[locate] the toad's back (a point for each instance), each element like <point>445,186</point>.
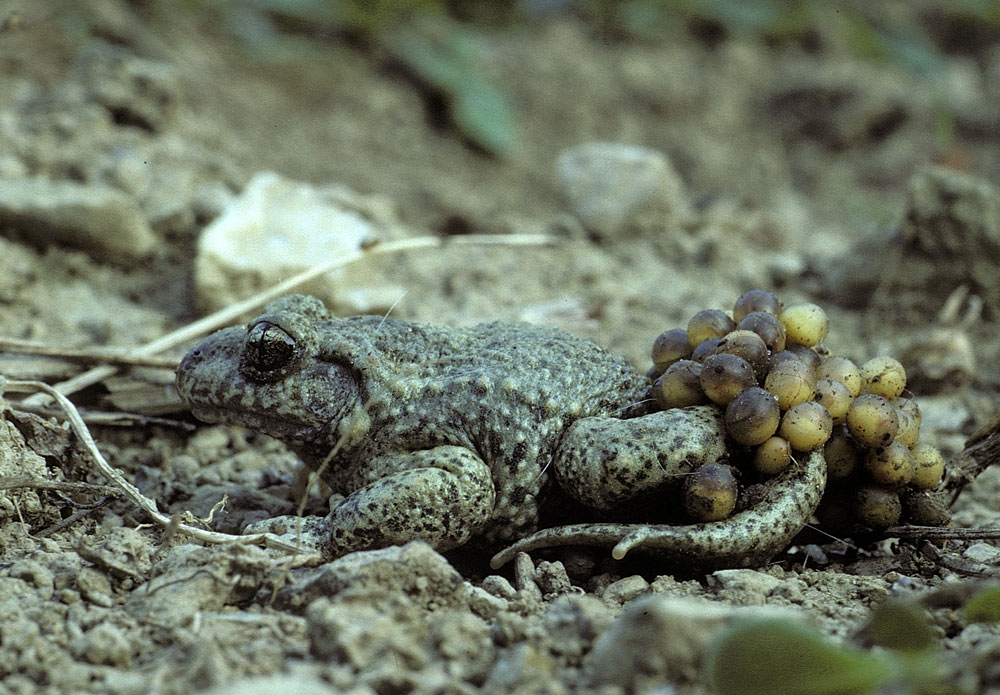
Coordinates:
<point>505,391</point>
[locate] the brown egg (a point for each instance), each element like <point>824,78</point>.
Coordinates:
<point>723,376</point>
<point>710,492</point>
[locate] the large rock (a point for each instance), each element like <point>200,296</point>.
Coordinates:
<point>100,220</point>
<point>609,185</point>
<point>278,227</point>
<point>949,237</point>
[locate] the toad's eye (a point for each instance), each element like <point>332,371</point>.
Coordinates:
<point>267,347</point>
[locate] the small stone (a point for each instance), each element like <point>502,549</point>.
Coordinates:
<point>36,574</point>
<point>104,644</point>
<point>17,458</point>
<point>94,586</point>
<point>983,552</point>
<point>499,586</point>
<point>278,227</point>
<point>414,569</point>
<point>743,585</point>
<point>608,184</point>
<point>99,220</point>
<point>624,590</point>
<point>280,684</point>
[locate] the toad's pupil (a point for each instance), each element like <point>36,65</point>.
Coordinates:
<point>268,347</point>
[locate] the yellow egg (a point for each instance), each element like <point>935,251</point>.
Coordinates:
<point>842,454</point>
<point>891,465</point>
<point>835,397</point>
<point>755,300</point>
<point>843,370</point>
<point>749,346</point>
<point>877,507</point>
<point>806,426</point>
<point>723,376</point>
<point>680,386</point>
<point>928,466</point>
<point>883,376</point>
<point>773,456</point>
<point>872,420</point>
<point>791,382</point>
<point>909,431</point>
<point>669,347</point>
<point>708,323</point>
<point>805,324</point>
<point>767,326</point>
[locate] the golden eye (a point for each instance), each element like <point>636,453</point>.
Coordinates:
<point>267,348</point>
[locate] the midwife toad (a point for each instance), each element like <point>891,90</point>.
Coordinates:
<point>445,434</point>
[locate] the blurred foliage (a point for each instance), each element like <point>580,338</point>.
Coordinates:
<point>441,42</point>
<point>900,625</point>
<point>443,55</point>
<point>984,606</point>
<point>785,657</point>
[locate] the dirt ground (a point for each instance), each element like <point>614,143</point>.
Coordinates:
<point>806,164</point>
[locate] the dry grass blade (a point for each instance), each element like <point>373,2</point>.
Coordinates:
<point>226,316</point>
<point>91,355</point>
<point>24,481</point>
<point>131,492</point>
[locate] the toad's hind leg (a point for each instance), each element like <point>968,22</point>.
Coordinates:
<point>603,461</point>
<point>747,539</point>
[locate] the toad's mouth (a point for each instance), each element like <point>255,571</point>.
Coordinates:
<point>296,434</point>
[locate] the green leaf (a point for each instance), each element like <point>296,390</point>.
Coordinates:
<point>483,113</point>
<point>783,657</point>
<point>446,56</point>
<point>901,625</point>
<point>984,606</point>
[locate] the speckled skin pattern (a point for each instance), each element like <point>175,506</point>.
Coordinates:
<point>443,433</point>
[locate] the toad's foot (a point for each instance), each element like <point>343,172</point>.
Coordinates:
<point>747,539</point>
<point>309,533</point>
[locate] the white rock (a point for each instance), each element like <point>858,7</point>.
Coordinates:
<point>609,184</point>
<point>983,552</point>
<point>278,227</point>
<point>280,684</point>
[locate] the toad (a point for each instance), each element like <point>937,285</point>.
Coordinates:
<point>448,434</point>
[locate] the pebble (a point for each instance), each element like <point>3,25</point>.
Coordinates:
<point>983,552</point>
<point>280,684</point>
<point>744,585</point>
<point>278,227</point>
<point>415,570</point>
<point>625,590</point>
<point>608,185</point>
<point>101,221</point>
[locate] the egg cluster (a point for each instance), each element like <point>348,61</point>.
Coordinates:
<point>783,393</point>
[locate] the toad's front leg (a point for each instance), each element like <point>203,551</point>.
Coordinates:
<point>443,495</point>
<point>681,440</point>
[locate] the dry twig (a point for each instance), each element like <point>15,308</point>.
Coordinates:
<point>135,496</point>
<point>91,355</point>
